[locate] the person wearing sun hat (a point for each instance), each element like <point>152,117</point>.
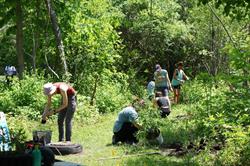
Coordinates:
<point>66,109</point>
<point>162,82</point>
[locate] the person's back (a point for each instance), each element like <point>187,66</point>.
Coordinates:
<point>163,103</point>
<point>161,78</point>
<point>128,114</point>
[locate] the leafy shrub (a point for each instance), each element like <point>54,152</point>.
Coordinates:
<point>192,92</point>
<point>110,97</point>
<point>23,97</point>
<point>221,117</point>
<point>85,112</point>
<point>150,119</point>
<point>113,92</point>
<point>18,127</point>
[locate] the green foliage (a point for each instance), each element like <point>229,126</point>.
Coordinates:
<point>193,91</point>
<point>18,127</point>
<point>85,112</point>
<point>150,119</point>
<point>93,40</point>
<point>149,32</point>
<point>239,8</point>
<point>23,97</point>
<point>221,117</point>
<point>113,93</point>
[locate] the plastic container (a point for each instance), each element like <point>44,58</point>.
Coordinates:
<point>43,137</point>
<point>160,139</point>
<point>37,156</point>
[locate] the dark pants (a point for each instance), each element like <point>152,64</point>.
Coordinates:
<point>163,90</point>
<point>126,134</point>
<point>177,86</point>
<point>165,112</point>
<point>67,116</point>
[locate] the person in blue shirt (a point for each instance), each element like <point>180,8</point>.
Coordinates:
<point>162,82</point>
<point>127,125</point>
<point>179,78</point>
<point>151,90</point>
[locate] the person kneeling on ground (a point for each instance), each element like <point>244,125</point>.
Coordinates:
<point>126,125</point>
<point>163,104</point>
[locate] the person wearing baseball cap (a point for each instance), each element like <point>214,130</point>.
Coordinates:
<point>66,109</point>
<point>162,82</point>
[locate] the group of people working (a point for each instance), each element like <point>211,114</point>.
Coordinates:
<point>126,125</point>
<point>162,83</point>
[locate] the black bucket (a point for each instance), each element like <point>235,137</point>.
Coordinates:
<point>43,137</point>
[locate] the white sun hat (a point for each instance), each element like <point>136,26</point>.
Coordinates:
<point>49,89</point>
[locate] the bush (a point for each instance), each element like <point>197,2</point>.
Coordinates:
<point>112,93</point>
<point>23,97</point>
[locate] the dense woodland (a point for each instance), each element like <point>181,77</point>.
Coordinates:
<point>107,49</point>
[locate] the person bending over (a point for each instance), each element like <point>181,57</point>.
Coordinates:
<point>65,111</point>
<point>126,125</point>
<point>163,103</point>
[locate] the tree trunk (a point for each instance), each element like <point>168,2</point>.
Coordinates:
<point>36,37</point>
<point>19,38</point>
<point>213,65</point>
<point>57,34</point>
<point>94,91</point>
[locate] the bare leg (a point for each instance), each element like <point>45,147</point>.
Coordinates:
<point>177,95</point>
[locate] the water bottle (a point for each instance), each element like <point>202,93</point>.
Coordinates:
<point>37,156</point>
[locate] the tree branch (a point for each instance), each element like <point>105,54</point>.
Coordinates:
<point>223,25</point>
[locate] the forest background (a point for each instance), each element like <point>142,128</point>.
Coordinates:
<point>107,49</point>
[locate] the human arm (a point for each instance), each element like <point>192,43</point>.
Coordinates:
<point>185,77</point>
<point>133,118</point>
<point>137,125</point>
<point>168,81</point>
<point>46,111</point>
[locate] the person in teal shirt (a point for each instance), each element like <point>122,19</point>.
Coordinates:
<point>179,78</point>
<point>162,82</point>
<point>126,125</point>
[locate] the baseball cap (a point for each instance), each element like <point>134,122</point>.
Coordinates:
<point>157,67</point>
